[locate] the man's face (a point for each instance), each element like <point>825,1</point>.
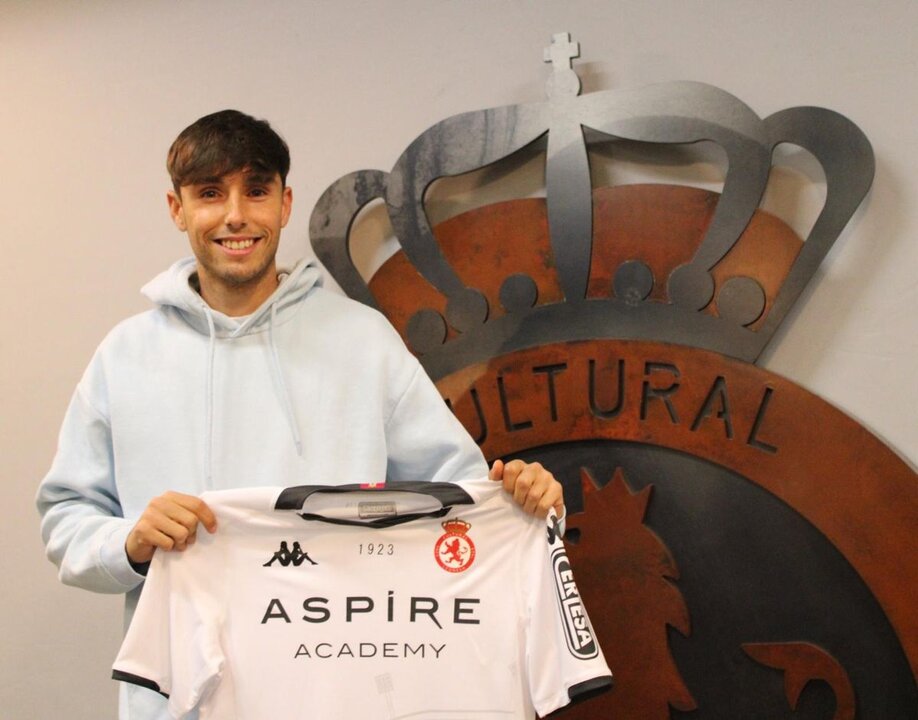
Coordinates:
<point>233,223</point>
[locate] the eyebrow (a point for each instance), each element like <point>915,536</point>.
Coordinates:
<point>209,180</point>
<point>251,178</point>
<point>258,178</point>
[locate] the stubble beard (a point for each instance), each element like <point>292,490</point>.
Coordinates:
<point>235,278</point>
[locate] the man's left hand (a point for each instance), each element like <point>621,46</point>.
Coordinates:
<point>533,488</point>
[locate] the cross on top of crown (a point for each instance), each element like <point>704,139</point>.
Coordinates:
<point>560,54</point>
<point>562,51</point>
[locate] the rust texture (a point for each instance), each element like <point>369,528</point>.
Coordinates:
<point>660,224</point>
<point>846,481</point>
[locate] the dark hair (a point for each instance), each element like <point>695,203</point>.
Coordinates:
<point>226,142</point>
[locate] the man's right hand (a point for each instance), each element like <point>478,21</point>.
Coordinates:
<point>169,522</point>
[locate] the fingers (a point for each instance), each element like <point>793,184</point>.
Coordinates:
<point>554,498</point>
<point>204,514</point>
<point>533,488</point>
<point>507,474</point>
<point>526,491</point>
<point>497,470</point>
<point>169,522</point>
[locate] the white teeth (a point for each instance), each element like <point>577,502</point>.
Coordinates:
<point>238,244</point>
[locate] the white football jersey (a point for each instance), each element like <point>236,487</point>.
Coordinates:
<point>415,600</point>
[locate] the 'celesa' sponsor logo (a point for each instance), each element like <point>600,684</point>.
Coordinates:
<point>577,630</point>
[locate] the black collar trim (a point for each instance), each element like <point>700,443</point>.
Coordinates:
<point>448,494</point>
<point>379,522</point>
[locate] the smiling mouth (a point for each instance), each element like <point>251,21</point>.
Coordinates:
<point>237,243</point>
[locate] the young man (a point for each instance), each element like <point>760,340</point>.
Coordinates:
<point>241,376</point>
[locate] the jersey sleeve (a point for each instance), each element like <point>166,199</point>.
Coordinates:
<point>173,643</point>
<point>565,662</point>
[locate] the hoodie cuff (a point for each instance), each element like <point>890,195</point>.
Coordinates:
<point>115,560</point>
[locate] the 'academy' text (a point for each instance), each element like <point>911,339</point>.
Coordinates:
<point>394,650</point>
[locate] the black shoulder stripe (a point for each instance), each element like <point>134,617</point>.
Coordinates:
<point>137,680</point>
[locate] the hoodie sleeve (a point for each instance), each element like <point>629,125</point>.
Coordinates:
<point>425,440</point>
<point>82,521</point>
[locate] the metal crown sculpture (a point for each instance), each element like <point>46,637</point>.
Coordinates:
<point>689,305</point>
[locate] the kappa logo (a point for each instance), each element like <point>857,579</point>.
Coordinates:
<point>455,550</point>
<point>287,556</point>
<point>554,529</point>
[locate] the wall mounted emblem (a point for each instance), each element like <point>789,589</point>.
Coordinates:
<point>744,549</point>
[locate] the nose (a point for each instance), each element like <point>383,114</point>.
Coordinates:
<point>234,216</point>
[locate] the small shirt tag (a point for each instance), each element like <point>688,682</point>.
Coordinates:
<point>372,510</point>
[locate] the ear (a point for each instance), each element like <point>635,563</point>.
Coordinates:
<point>176,210</point>
<point>286,204</point>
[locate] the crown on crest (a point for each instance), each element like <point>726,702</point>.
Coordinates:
<point>667,263</point>
<point>457,527</point>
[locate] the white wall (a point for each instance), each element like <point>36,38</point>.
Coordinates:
<point>92,93</point>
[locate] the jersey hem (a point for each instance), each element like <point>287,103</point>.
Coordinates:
<point>588,688</point>
<point>579,692</point>
<point>137,680</point>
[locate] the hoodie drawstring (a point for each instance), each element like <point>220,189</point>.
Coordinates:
<point>209,438</point>
<point>285,393</point>
<point>279,375</point>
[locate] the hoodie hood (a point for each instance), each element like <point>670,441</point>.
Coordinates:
<point>173,288</point>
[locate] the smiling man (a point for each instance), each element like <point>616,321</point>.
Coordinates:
<point>241,375</point>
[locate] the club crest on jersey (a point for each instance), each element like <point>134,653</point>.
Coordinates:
<point>455,550</point>
<point>286,556</point>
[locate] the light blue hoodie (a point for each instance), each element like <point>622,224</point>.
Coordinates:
<point>312,388</point>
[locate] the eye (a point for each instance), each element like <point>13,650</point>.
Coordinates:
<point>258,192</point>
<point>207,193</point>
